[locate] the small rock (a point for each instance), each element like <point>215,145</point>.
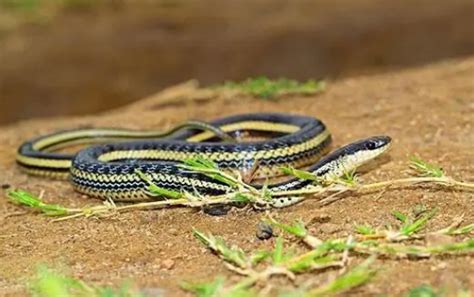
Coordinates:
<point>167,264</point>
<point>173,231</point>
<point>5,186</point>
<point>219,210</point>
<point>264,231</point>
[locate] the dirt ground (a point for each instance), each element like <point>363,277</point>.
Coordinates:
<point>107,56</point>
<point>428,111</point>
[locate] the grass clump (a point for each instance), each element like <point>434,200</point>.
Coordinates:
<point>423,168</point>
<point>256,269</point>
<point>49,283</point>
<point>411,226</point>
<point>263,87</point>
<point>244,193</point>
<point>429,291</point>
<point>355,277</point>
<point>27,199</point>
<point>46,6</point>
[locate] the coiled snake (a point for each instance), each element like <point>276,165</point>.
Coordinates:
<point>108,170</point>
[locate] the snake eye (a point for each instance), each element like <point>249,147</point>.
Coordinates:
<point>371,145</point>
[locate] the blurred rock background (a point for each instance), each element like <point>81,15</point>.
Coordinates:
<point>62,57</point>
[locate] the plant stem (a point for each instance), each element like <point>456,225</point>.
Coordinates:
<point>263,275</point>
<point>99,209</point>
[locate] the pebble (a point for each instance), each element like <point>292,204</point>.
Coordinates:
<point>264,231</point>
<point>167,264</point>
<point>219,210</point>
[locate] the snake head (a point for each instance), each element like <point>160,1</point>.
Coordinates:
<point>376,143</point>
<point>351,156</point>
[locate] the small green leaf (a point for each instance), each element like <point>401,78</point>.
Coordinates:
<point>461,230</point>
<point>349,177</point>
<point>298,228</point>
<point>241,198</point>
<point>259,256</point>
<point>49,283</point>
<point>301,174</point>
<point>424,168</point>
<point>233,254</point>
<point>364,229</point>
<point>314,258</point>
<point>417,225</point>
<point>423,291</point>
<point>30,200</point>
<point>156,190</point>
<point>464,246</point>
<point>277,255</point>
<point>400,216</point>
<point>200,162</point>
<point>208,168</point>
<point>210,289</point>
<point>355,277</point>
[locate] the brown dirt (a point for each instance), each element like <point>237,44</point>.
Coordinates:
<point>94,59</point>
<point>428,111</point>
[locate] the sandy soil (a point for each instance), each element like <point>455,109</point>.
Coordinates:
<point>428,111</point>
<point>91,60</point>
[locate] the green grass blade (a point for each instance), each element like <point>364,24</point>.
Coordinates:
<point>233,254</point>
<point>423,291</point>
<point>259,256</point>
<point>210,289</point>
<point>364,229</point>
<point>417,225</point>
<point>263,87</point>
<point>349,178</point>
<point>49,283</point>
<point>298,228</point>
<point>156,190</point>
<point>400,216</point>
<point>301,174</point>
<point>462,230</point>
<point>355,277</point>
<point>25,198</point>
<point>277,255</point>
<point>208,168</point>
<point>424,168</point>
<point>242,198</point>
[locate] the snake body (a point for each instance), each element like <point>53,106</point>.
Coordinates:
<point>109,170</point>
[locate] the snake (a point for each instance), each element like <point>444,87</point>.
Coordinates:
<point>260,143</point>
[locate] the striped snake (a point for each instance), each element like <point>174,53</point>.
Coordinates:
<point>260,143</point>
